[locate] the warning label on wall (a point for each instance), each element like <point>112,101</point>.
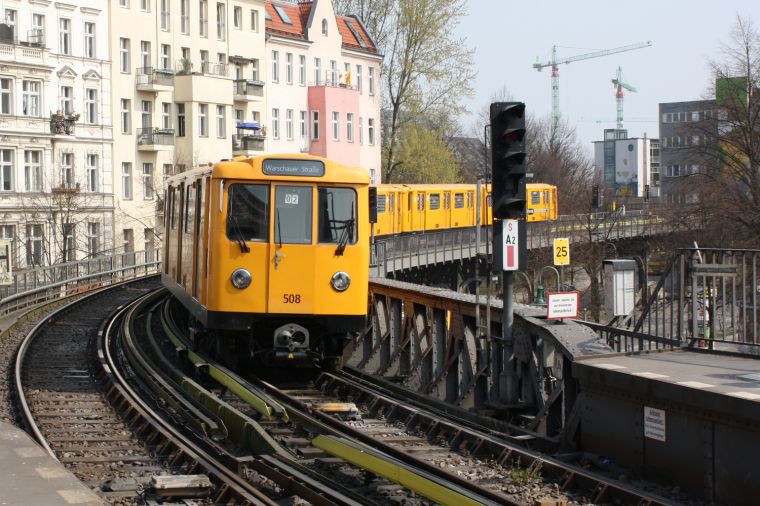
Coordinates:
<point>654,424</point>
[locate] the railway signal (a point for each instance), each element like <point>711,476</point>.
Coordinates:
<point>508,160</point>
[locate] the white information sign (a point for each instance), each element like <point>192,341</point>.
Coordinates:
<point>562,305</point>
<point>510,250</point>
<point>654,424</point>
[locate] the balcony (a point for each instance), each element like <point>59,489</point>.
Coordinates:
<point>61,124</point>
<point>155,139</point>
<point>66,187</point>
<point>247,89</point>
<point>247,145</point>
<point>154,80</point>
<point>186,67</point>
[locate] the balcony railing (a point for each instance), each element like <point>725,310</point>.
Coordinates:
<point>36,37</point>
<point>249,87</point>
<point>66,187</point>
<point>149,76</point>
<point>248,142</point>
<point>155,136</point>
<point>63,125</point>
<point>186,67</point>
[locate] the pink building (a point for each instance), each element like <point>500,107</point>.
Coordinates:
<point>323,93</point>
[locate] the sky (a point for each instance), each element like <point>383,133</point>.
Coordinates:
<point>509,35</point>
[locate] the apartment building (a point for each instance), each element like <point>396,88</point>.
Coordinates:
<point>323,89</point>
<point>186,73</point>
<point>56,191</point>
<point>625,164</point>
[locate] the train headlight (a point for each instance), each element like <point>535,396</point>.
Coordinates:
<point>241,278</point>
<point>340,281</point>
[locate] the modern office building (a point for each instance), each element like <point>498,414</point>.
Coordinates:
<point>624,164</point>
<point>56,189</point>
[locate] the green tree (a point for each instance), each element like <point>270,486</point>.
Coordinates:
<point>424,157</point>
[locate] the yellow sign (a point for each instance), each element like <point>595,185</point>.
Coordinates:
<point>562,251</point>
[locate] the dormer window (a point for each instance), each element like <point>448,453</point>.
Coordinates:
<point>324,27</point>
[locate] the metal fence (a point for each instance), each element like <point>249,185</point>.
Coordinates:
<point>42,284</point>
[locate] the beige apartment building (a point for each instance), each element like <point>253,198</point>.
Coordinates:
<point>186,73</point>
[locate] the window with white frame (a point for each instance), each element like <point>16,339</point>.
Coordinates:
<point>93,238</point>
<point>289,68</point>
<point>124,55</point>
<point>30,100</point>
<point>203,120</point>
<point>275,66</point>
<point>276,123</point>
<point>184,16</point>
<point>317,70</point>
<point>38,29</point>
<point>336,125</point>
<point>67,99</point>
<point>221,121</point>
<point>302,126</point>
<point>91,106</point>
<point>289,124</point>
<point>32,171</point>
<point>34,244</point>
<point>350,127</point>
<point>302,70</point>
<point>180,120</point>
<point>166,56</point>
<point>371,78</point>
<point>67,170</point>
<point>149,244</point>
<point>6,95</point>
<point>124,3</point>
<point>146,109</point>
<point>9,232</point>
<point>70,252</point>
<point>89,39</point>
<point>126,180</point>
<point>126,116</point>
<point>166,115</point>
<point>147,180</point>
<point>315,125</point>
<point>237,18</point>
<point>221,20</point>
<point>324,27</point>
<point>145,5</point>
<point>11,17</point>
<point>145,53</point>
<point>361,131</point>
<point>333,73</point>
<point>64,36</point>
<point>255,69</point>
<point>165,15</point>
<point>91,167</point>
<point>254,20</point>
<point>359,78</point>
<point>371,131</point>
<point>6,170</point>
<point>203,18</point>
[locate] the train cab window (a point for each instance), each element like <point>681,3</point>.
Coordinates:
<point>447,201</point>
<point>292,219</point>
<point>337,215</point>
<point>381,203</point>
<point>459,200</point>
<point>435,201</point>
<point>420,201</point>
<point>248,212</point>
<point>535,198</point>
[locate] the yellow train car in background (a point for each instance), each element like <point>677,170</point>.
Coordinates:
<point>415,208</point>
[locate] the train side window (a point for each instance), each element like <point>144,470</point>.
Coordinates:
<point>189,208</point>
<point>435,201</point>
<point>381,203</point>
<point>459,200</point>
<point>172,208</point>
<point>337,215</point>
<point>293,218</point>
<point>248,212</point>
<point>535,198</point>
<point>546,196</point>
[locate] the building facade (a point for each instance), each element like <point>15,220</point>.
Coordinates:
<point>624,164</point>
<point>186,73</point>
<point>323,85</point>
<point>56,185</point>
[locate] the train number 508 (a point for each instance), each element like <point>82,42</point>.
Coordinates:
<point>291,298</point>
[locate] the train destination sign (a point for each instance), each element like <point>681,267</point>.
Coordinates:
<point>303,168</point>
<point>562,305</point>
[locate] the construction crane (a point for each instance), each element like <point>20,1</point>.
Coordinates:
<point>556,61</point>
<point>620,85</point>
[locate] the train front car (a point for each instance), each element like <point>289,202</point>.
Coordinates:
<point>288,250</point>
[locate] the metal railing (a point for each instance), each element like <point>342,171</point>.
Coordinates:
<point>155,136</point>
<point>249,87</point>
<point>35,286</point>
<point>153,76</point>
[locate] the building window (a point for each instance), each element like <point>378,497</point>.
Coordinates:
<point>255,69</point>
<point>147,179</point>
<point>145,5</point>
<point>333,72</point>
<point>203,20</point>
<point>6,170</point>
<point>126,116</point>
<point>34,245</point>
<point>317,70</point>
<point>92,172</point>
<point>276,123</point>
<point>221,15</point>
<point>31,98</point>
<point>359,78</point>
<point>10,20</point>
<point>126,180</point>
<point>145,53</point>
<point>289,124</point>
<point>67,99</point>
<point>315,125</point>
<point>166,56</point>
<point>371,131</point>
<point>124,3</point>
<point>180,120</point>
<point>64,36</point>
<point>275,66</point>
<point>32,171</point>
<point>371,77</point>
<point>6,96</point>
<point>93,238</point>
<point>237,18</point>
<point>124,55</point>
<point>361,131</point>
<point>289,68</point>
<point>184,17</point>
<point>336,126</point>
<point>254,20</point>
<point>89,40</point>
<point>324,27</point>
<point>203,120</point>
<point>302,126</point>
<point>91,106</point>
<point>221,122</point>
<point>67,170</point>
<point>146,107</point>
<point>69,253</point>
<point>166,115</point>
<point>165,15</point>
<point>302,70</point>
<point>38,29</point>
<point>350,127</point>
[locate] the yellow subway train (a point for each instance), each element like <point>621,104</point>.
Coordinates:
<point>409,208</point>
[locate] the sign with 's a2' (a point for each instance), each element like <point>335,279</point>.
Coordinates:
<point>510,245</point>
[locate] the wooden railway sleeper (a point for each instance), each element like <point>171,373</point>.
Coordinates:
<point>566,480</point>
<point>600,492</point>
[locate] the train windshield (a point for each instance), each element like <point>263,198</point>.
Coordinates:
<point>293,214</point>
<point>337,215</point>
<point>248,212</point>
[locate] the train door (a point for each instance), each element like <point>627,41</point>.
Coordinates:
<point>291,250</point>
<point>198,240</point>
